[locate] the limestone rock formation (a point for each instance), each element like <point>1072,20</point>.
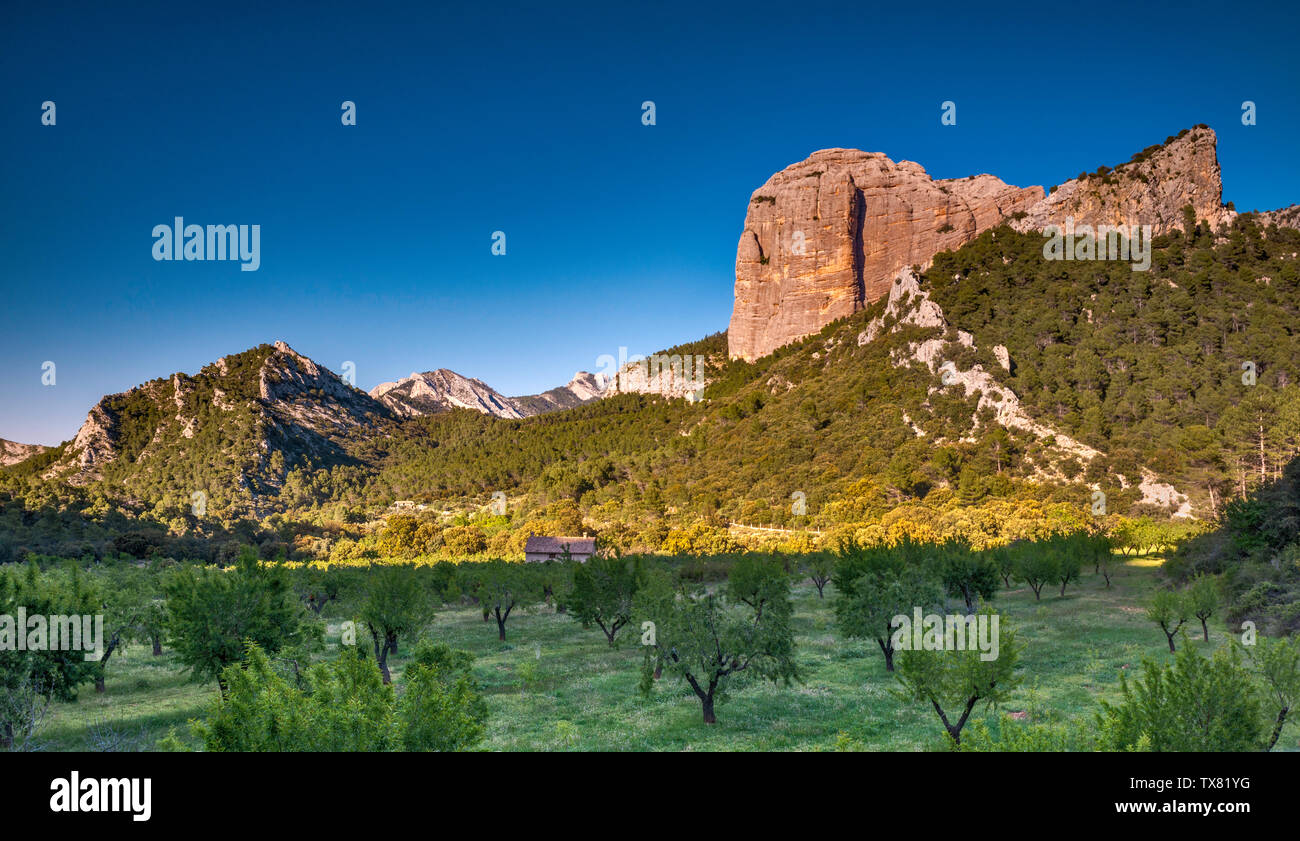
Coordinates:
<point>910,305</point>
<point>11,452</point>
<point>1151,189</point>
<point>1286,217</point>
<point>826,236</point>
<point>440,390</point>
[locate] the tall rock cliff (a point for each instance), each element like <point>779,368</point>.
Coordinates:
<point>825,237</point>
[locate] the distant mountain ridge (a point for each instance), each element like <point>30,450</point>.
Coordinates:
<point>261,411</point>
<point>443,389</point>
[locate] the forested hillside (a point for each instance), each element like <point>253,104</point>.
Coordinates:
<point>833,432</point>
<point>1151,367</point>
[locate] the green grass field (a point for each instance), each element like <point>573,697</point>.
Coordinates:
<point>555,686</point>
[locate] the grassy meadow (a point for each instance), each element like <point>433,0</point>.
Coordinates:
<point>555,686</point>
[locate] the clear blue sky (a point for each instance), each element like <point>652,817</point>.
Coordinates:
<point>375,243</point>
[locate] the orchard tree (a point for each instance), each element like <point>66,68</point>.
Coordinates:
<point>29,679</point>
<point>555,578</point>
<point>396,605</point>
<point>1035,567</point>
<point>820,567</point>
<point>212,614</point>
<point>1004,560</point>
<point>954,683</point>
<point>760,581</point>
<point>874,585</point>
<point>1170,611</point>
<point>501,587</point>
<point>319,587</point>
<point>1067,563</point>
<point>1105,565</point>
<point>128,599</point>
<point>967,574</point>
<point>1204,601</point>
<point>705,638</point>
<point>1276,663</point>
<point>603,593</point>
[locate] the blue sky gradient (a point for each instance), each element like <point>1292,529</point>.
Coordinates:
<point>526,118</point>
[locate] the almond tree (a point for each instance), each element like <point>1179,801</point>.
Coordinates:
<point>705,638</point>
<point>967,574</point>
<point>396,605</point>
<point>1169,610</point>
<point>501,587</point>
<point>29,680</point>
<point>874,585</point>
<point>820,567</point>
<point>954,683</point>
<point>1035,567</point>
<point>1204,601</point>
<point>212,615</point>
<point>602,594</point>
<point>760,581</point>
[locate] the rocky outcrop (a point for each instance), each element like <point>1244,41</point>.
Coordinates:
<point>676,375</point>
<point>308,411</point>
<point>826,236</point>
<point>1286,217</point>
<point>96,442</point>
<point>1151,189</point>
<point>910,305</point>
<point>11,452</point>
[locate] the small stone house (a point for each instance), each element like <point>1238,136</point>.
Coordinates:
<point>552,548</point>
